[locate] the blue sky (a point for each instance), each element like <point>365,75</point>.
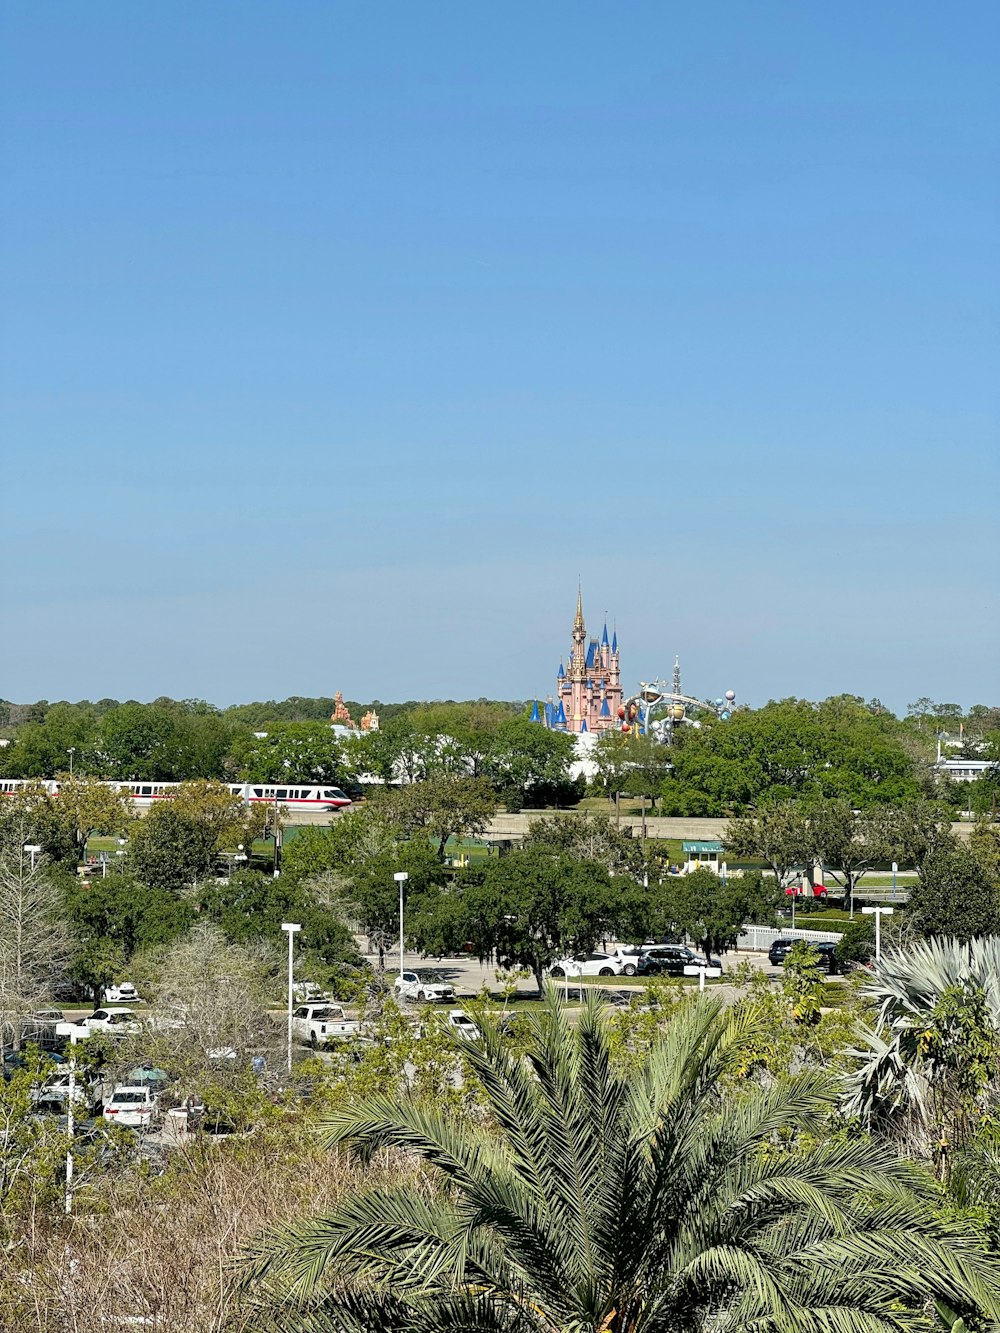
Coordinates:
<point>338,340</point>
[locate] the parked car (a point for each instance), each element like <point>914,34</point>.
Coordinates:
<point>628,955</point>
<point>318,1024</point>
<point>54,1093</point>
<point>417,986</point>
<point>123,991</point>
<point>119,1022</point>
<point>671,959</point>
<point>134,1105</point>
<point>826,949</point>
<point>462,1025</point>
<point>588,965</point>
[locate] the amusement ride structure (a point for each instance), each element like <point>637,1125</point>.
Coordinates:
<point>656,708</point>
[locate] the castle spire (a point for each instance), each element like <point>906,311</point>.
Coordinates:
<point>578,660</point>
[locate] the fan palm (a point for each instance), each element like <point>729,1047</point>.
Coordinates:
<point>897,1075</point>
<point>594,1201</point>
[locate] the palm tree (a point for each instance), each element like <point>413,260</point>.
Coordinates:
<point>595,1202</point>
<point>935,1038</point>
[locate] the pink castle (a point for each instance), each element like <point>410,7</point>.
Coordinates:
<point>589,694</point>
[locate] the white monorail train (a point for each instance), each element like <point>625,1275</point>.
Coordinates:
<point>290,795</point>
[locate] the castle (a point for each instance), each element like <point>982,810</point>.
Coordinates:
<point>588,694</point>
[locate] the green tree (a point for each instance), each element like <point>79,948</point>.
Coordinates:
<point>955,896</point>
<point>911,830</point>
<point>219,811</point>
<point>729,1219</point>
<point>29,816</point>
<point>441,807</point>
<point>139,741</point>
<point>87,805</point>
<point>776,834</point>
<point>711,911</point>
<point>289,752</point>
<point>792,749</point>
<point>587,837</point>
<point>856,943</point>
<point>250,906</point>
<point>529,765</point>
<point>802,982</point>
<point>171,849</point>
<point>533,906</point>
<point>114,917</point>
<point>42,748</point>
<point>350,841</point>
<point>374,893</point>
<point>466,733</point>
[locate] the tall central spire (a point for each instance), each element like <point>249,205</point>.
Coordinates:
<point>578,662</point>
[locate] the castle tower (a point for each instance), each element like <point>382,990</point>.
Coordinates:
<point>588,691</point>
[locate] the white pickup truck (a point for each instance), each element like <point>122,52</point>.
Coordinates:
<point>413,986</point>
<point>321,1022</point>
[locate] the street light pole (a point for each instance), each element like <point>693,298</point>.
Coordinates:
<point>277,836</point>
<point>71,752</point>
<point>73,1032</point>
<point>290,928</point>
<point>895,869</point>
<point>878,913</point>
<point>400,877</point>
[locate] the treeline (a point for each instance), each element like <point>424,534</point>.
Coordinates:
<point>839,749</point>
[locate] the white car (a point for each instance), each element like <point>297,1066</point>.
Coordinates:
<point>134,1105</point>
<point>588,965</point>
<point>119,1022</point>
<point>628,955</point>
<point>462,1025</point>
<point>413,986</point>
<point>54,1092</point>
<point>122,991</point>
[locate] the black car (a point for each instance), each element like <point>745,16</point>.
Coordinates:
<point>825,948</point>
<point>671,959</point>
<point>778,950</point>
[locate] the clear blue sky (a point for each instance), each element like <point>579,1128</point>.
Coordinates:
<point>339,339</point>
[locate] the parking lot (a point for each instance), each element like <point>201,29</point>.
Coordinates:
<point>468,975</point>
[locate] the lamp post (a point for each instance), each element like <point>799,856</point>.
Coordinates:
<point>277,836</point>
<point>73,1032</point>
<point>290,927</point>
<point>401,877</point>
<point>71,752</point>
<point>33,849</point>
<point>878,913</point>
<point>701,971</point>
<point>895,870</point>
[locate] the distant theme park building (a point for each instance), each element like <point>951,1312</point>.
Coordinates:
<point>588,692</point>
